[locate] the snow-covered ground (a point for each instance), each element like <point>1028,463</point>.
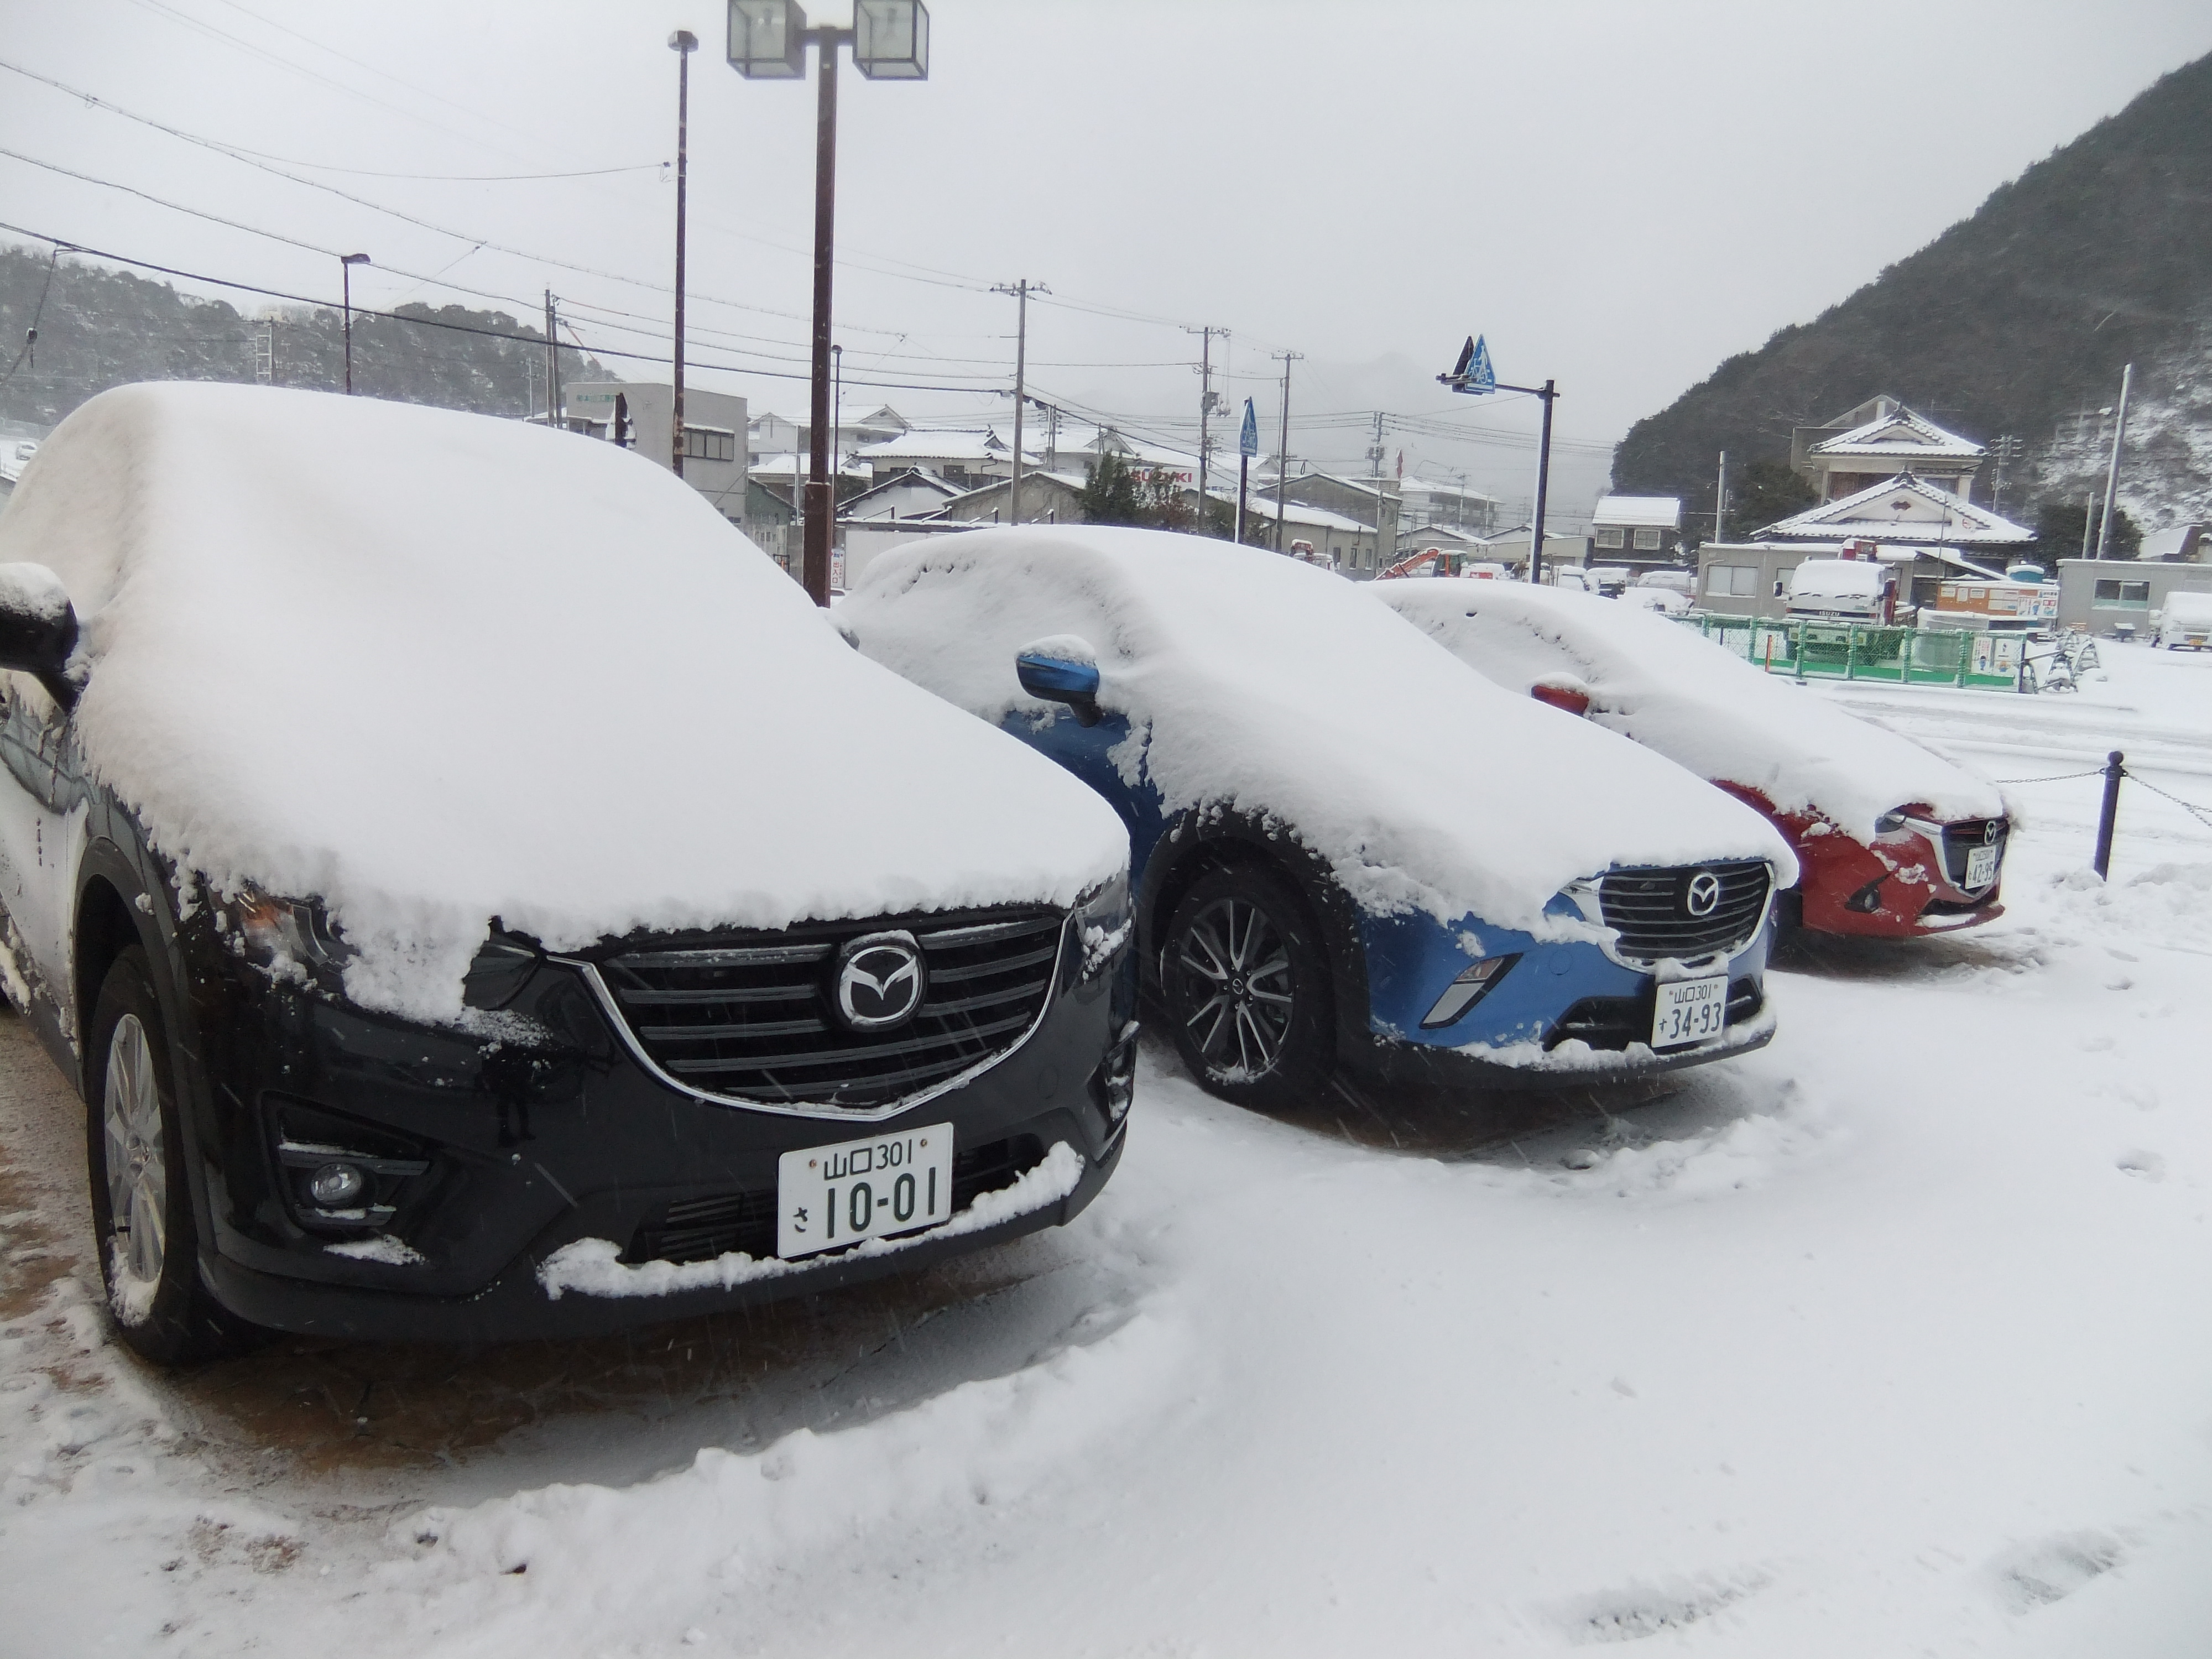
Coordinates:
<point>1890,1339</point>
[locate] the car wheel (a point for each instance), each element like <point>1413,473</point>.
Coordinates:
<point>142,1207</point>
<point>1247,987</point>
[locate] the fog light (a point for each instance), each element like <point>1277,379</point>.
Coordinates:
<point>1463,993</point>
<point>1114,1085</point>
<point>1867,900</point>
<point>337,1186</point>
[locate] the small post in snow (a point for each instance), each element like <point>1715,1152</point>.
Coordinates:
<point>2115,770</point>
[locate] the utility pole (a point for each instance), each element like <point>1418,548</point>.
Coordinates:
<point>1021,290</point>
<point>552,366</point>
<point>1283,459</point>
<point>1377,453</point>
<point>1204,407</point>
<point>2112,472</point>
<point>683,43</point>
<point>1720,502</point>
<point>2006,450</point>
<point>346,262</point>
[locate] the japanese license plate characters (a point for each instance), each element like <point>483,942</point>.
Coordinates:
<point>831,1196</point>
<point>1689,1011</point>
<point>1981,865</point>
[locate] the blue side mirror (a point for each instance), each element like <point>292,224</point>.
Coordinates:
<point>1056,679</point>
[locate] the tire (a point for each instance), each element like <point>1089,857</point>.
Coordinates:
<point>141,1203</point>
<point>1246,983</point>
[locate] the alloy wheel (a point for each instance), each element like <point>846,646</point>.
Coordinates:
<point>1240,980</point>
<point>137,1167</point>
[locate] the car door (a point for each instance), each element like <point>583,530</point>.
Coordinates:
<point>41,809</point>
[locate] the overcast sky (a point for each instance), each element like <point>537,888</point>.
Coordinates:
<point>1618,196</point>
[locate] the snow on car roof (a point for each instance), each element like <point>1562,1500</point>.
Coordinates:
<point>1681,695</point>
<point>435,667</point>
<point>1257,681</point>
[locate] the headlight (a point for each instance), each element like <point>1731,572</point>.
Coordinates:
<point>1469,988</point>
<point>285,933</point>
<point>1102,925</point>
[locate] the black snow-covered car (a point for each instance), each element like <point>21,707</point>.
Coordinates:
<point>477,896</point>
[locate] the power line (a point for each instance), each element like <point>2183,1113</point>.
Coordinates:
<point>433,322</point>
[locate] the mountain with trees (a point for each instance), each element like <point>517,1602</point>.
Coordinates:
<point>2016,321</point>
<point>99,327</point>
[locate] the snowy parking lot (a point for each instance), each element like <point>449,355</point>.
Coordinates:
<point>1887,1338</point>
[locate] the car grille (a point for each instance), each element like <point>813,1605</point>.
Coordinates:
<point>1651,910</point>
<point>701,1229</point>
<point>1961,838</point>
<point>1616,1022</point>
<point>748,1015</point>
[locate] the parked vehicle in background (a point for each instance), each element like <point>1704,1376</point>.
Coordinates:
<point>2185,622</point>
<point>1610,580</point>
<point>1684,582</point>
<point>1349,852</point>
<point>1844,590</point>
<point>1445,562</point>
<point>1664,600</point>
<point>404,864</point>
<point>1894,841</point>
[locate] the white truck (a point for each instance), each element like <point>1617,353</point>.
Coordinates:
<point>2186,620</point>
<point>1842,590</point>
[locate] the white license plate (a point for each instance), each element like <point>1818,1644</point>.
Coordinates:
<point>831,1196</point>
<point>1690,1010</point>
<point>1981,865</point>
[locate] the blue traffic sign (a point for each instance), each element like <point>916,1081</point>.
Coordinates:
<point>1247,441</point>
<point>1480,375</point>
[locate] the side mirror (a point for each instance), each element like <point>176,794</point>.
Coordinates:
<point>37,628</point>
<point>1062,669</point>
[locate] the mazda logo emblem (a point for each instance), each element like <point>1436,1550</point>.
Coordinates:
<point>1702,894</point>
<point>1989,832</point>
<point>881,978</point>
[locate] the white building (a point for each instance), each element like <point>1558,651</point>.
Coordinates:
<point>1426,502</point>
<point>714,433</point>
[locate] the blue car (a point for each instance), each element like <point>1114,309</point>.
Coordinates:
<point>1349,852</point>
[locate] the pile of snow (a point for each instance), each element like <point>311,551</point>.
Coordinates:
<point>1679,694</point>
<point>435,667</point>
<point>1254,681</point>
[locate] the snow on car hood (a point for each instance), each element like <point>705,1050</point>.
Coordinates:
<point>435,667</point>
<point>1660,684</point>
<point>1258,682</point>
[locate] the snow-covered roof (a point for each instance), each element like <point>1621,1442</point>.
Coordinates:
<point>936,446</point>
<point>1901,437</point>
<point>1254,678</point>
<point>912,478</point>
<point>417,566</point>
<point>1412,486</point>
<point>1686,698</point>
<point>1902,508</point>
<point>1441,535</point>
<point>1638,512</point>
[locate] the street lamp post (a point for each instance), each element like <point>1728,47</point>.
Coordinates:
<point>683,43</point>
<point>346,262</point>
<point>889,41</point>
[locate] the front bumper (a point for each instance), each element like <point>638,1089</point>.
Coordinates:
<point>537,1128</point>
<point>1896,889</point>
<point>1565,1013</point>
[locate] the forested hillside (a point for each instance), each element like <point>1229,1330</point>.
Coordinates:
<point>99,327</point>
<point>2017,320</point>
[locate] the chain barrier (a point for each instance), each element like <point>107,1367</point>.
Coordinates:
<point>2062,777</point>
<point>2202,814</point>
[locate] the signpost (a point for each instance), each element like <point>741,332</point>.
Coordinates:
<point>1247,445</point>
<point>1473,375</point>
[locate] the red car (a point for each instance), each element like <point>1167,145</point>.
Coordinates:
<point>1894,841</point>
